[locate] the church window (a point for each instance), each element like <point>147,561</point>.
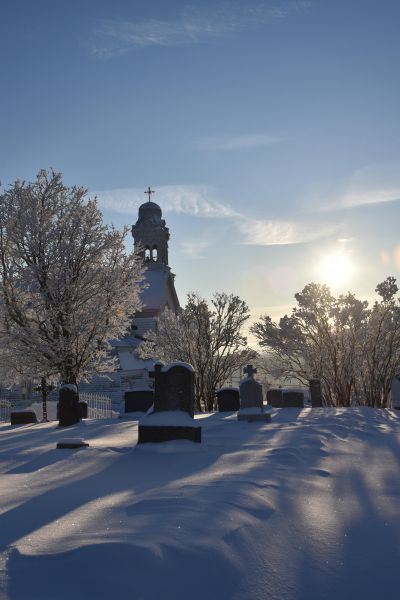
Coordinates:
<point>147,254</point>
<point>155,254</point>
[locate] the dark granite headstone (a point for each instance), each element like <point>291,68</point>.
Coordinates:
<point>315,393</point>
<point>68,406</point>
<point>138,400</point>
<point>174,388</point>
<point>275,398</point>
<point>293,399</point>
<point>228,399</point>
<point>22,417</point>
<point>284,398</point>
<point>173,397</point>
<point>83,409</point>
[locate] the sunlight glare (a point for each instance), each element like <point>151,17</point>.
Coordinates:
<point>336,269</point>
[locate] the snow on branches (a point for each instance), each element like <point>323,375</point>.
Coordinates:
<point>67,284</point>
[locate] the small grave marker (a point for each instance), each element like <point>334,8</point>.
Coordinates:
<point>71,443</point>
<point>23,417</point>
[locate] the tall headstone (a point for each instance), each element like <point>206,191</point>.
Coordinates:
<point>174,403</point>
<point>68,406</point>
<point>315,393</point>
<point>251,398</point>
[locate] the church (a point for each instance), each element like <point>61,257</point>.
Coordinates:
<point>151,237</point>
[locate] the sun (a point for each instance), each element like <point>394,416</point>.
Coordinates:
<point>336,269</point>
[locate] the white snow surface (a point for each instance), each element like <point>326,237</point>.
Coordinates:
<point>304,508</point>
<point>252,410</point>
<point>168,417</point>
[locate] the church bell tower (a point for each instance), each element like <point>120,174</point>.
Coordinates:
<point>152,235</point>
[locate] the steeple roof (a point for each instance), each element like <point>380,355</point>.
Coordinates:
<point>149,210</point>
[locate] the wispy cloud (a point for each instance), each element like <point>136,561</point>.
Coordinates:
<point>275,232</point>
<point>192,25</point>
<point>238,142</point>
<point>182,199</point>
<point>372,184</point>
<point>200,201</point>
<point>363,198</point>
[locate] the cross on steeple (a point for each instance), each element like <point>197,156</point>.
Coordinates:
<point>149,191</point>
<point>249,370</point>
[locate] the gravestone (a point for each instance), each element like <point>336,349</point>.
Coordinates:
<point>83,409</point>
<point>315,393</point>
<point>293,399</point>
<point>138,400</point>
<point>228,399</point>
<point>275,397</point>
<point>172,417</point>
<point>71,443</point>
<point>68,405</point>
<point>22,417</point>
<point>285,398</point>
<point>396,392</point>
<point>251,398</point>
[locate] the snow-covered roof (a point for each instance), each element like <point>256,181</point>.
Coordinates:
<point>155,295</point>
<point>126,342</point>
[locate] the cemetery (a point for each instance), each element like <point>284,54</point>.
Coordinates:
<point>150,479</point>
<point>200,300</point>
<point>144,501</point>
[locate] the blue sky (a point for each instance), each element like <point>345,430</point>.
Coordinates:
<point>269,130</point>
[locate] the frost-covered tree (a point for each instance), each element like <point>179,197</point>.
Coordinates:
<point>208,337</point>
<point>67,284</point>
<point>378,356</point>
<point>353,349</point>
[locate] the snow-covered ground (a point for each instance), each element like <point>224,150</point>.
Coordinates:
<point>304,508</point>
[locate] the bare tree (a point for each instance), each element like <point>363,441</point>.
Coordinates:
<point>67,285</point>
<point>209,338</point>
